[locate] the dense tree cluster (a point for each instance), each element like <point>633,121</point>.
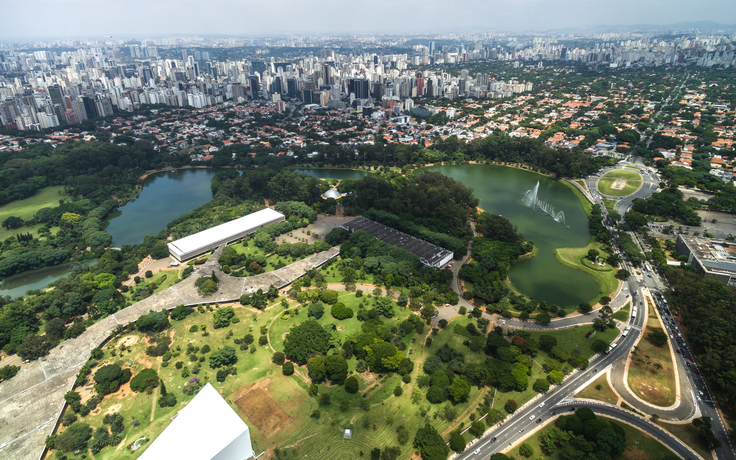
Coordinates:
<point>669,204</point>
<point>706,307</point>
<point>584,435</point>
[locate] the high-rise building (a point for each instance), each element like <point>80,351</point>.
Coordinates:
<point>254,82</point>
<point>432,48</point>
<point>362,88</point>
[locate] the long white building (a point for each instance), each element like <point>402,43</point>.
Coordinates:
<point>201,242</point>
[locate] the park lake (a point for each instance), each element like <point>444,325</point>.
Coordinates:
<point>500,191</point>
<point>166,196</point>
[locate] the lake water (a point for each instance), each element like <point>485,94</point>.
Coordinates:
<point>18,285</point>
<point>333,173</point>
<point>165,196</point>
<point>499,190</point>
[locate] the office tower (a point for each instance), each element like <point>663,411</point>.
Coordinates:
<point>362,89</point>
<point>307,96</point>
<point>291,87</point>
<point>56,94</point>
<point>258,67</point>
<point>255,86</point>
<point>432,48</point>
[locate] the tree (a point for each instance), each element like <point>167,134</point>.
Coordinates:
<point>430,444</point>
<point>316,310</point>
<point>180,312</point>
<point>599,346</point>
<point>457,442</point>
<point>288,368</point>
<point>593,254</point>
<point>278,358</point>
<point>622,274</point>
<point>225,356</point>
<point>159,250</point>
<point>511,406</point>
<point>73,438</point>
<point>340,311</point>
<point>477,428</point>
<point>145,379</point>
<point>109,378</point>
<point>547,342</point>
<point>72,397</point>
<point>33,347</point>
<point>222,317</point>
<point>459,389</point>
<point>541,386</point>
<point>306,338</point>
<point>526,450</point>
<point>351,384</point>
<point>657,337</point>
<point>55,328</point>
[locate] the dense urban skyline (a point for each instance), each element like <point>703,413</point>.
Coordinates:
<point>84,18</point>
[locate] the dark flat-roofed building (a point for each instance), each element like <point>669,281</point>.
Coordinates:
<point>430,254</point>
<point>714,259</point>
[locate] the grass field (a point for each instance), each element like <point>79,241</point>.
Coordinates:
<point>623,313</point>
<point>688,434</point>
<point>296,434</point>
<point>644,379</point>
<point>639,445</point>
<point>573,338</point>
<point>605,393</point>
<point>47,197</point>
<point>609,204</point>
<point>604,275</point>
<point>632,184</point>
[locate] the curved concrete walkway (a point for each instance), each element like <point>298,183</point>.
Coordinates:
<point>32,401</point>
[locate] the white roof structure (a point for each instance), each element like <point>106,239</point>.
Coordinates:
<point>207,428</point>
<point>199,243</point>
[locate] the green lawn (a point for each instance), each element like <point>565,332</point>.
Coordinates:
<point>605,393</point>
<point>623,313</point>
<point>688,434</point>
<point>573,338</point>
<point>632,184</point>
<point>604,275</point>
<point>644,379</point>
<point>639,445</point>
<point>310,437</point>
<point>609,204</point>
<point>47,197</point>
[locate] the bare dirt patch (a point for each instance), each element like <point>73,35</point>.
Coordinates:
<point>263,411</point>
<point>114,408</point>
<point>127,341</point>
<point>619,184</point>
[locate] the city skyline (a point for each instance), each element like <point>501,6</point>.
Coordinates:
<point>83,18</point>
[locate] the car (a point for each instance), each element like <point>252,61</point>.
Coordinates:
<point>595,370</point>
<point>697,372</point>
<point>539,420</point>
<point>692,360</point>
<point>541,405</point>
<point>174,264</point>
<point>531,417</point>
<point>678,351</point>
<point>521,430</point>
<point>572,409</point>
<point>551,412</point>
<point>688,364</point>
<point>493,439</point>
<point>477,451</point>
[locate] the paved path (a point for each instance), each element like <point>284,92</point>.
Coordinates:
<point>32,401</point>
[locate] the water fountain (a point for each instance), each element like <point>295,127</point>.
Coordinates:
<point>531,200</point>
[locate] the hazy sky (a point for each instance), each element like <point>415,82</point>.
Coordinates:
<point>149,18</point>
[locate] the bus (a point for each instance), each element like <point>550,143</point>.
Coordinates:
<point>633,312</point>
<point>610,348</point>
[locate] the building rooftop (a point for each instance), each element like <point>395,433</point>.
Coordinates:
<point>428,253</point>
